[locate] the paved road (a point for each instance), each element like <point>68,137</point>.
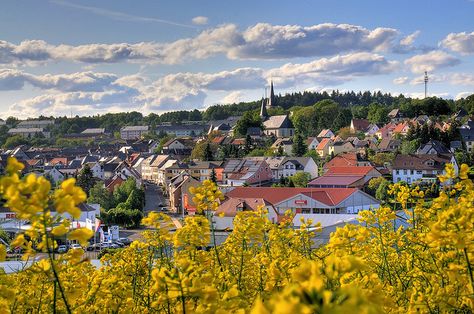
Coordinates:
<point>153,198</point>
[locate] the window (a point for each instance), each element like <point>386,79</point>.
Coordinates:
<point>405,172</point>
<point>398,171</point>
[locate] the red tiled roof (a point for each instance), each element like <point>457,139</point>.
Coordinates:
<point>399,128</point>
<point>342,160</point>
<point>364,170</point>
<point>229,206</point>
<point>336,180</point>
<point>218,139</point>
<point>275,195</point>
<point>57,160</point>
<point>323,143</point>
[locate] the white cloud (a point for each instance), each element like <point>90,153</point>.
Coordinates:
<point>11,79</point>
<point>333,70</point>
<point>97,91</point>
<point>410,39</point>
<point>459,42</point>
<point>261,41</point>
<point>422,95</point>
<point>431,61</point>
<point>463,95</point>
<point>233,98</point>
<point>465,79</point>
<point>400,80</point>
<point>200,20</point>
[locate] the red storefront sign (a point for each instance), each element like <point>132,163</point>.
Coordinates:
<point>301,202</point>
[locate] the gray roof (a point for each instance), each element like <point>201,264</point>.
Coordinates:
<point>94,131</point>
<point>435,145</point>
<point>278,122</point>
<point>25,130</point>
<point>135,128</point>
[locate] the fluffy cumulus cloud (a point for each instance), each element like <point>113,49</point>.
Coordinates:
<point>459,42</point>
<point>401,80</point>
<point>431,61</point>
<point>12,79</point>
<point>233,97</point>
<point>266,41</point>
<point>200,20</point>
<point>185,90</point>
<point>261,41</point>
<point>333,70</point>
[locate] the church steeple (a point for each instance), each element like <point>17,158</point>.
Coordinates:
<point>263,109</point>
<point>271,100</point>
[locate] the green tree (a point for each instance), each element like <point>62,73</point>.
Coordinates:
<point>299,146</point>
<point>14,141</point>
<point>249,119</point>
<point>98,194</point>
<point>85,179</point>
<point>409,147</point>
<point>374,184</point>
<point>300,179</point>
<point>203,151</point>
<point>382,191</point>
<point>4,236</point>
<point>213,176</point>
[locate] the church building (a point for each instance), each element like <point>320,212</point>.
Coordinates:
<point>280,125</point>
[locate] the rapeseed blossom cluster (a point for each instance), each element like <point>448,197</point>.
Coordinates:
<point>416,259</point>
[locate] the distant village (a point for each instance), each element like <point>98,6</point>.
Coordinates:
<point>329,177</point>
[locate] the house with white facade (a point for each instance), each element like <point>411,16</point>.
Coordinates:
<point>421,168</point>
<point>29,132</point>
<point>133,132</point>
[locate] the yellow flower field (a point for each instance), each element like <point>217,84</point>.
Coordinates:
<point>373,267</point>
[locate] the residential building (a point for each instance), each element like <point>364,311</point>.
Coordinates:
<point>467,135</point>
<point>326,133</point>
<point>347,160</point>
<point>133,132</point>
<point>323,147</point>
<point>279,126</point>
<point>359,125</point>
<point>29,132</point>
<point>181,198</point>
<point>433,147</point>
<point>238,172</point>
<point>180,130</point>
<point>284,145</point>
<point>424,168</point>
<point>368,172</point>
<point>202,170</point>
<point>340,147</point>
<point>395,116</point>
<point>312,143</point>
<point>389,145</point>
<point>35,124</point>
<point>178,146</point>
<point>289,166</point>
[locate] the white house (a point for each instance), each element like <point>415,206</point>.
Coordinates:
<point>133,132</point>
<point>423,168</point>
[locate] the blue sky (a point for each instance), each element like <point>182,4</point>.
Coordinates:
<point>86,57</point>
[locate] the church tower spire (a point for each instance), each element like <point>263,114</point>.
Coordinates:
<point>271,100</point>
<point>263,110</point>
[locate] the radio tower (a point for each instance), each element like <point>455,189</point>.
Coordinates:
<point>426,83</point>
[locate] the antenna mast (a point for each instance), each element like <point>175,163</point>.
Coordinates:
<point>426,83</point>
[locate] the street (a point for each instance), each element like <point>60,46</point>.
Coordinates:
<point>153,198</point>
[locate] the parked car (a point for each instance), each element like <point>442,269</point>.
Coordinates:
<point>75,246</point>
<point>94,247</point>
<point>62,248</point>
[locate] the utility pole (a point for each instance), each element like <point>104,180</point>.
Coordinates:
<point>426,83</point>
